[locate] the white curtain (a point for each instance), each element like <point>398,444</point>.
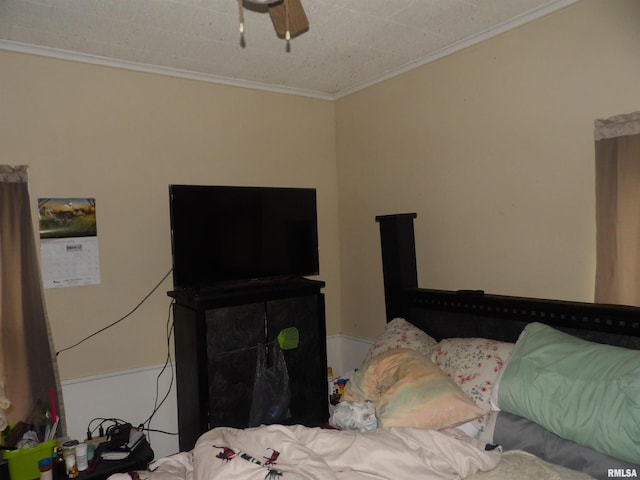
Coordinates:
<point>28,367</point>
<point>617,145</point>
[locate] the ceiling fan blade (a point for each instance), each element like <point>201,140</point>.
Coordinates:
<point>298,21</point>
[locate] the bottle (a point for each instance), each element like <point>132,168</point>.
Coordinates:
<point>69,453</point>
<point>45,466</point>
<point>59,466</point>
<point>81,457</point>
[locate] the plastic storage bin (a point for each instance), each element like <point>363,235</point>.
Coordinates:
<point>23,463</point>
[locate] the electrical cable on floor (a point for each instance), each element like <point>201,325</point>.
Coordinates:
<point>117,321</point>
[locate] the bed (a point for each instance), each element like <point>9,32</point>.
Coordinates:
<point>560,326</point>
<point>461,384</point>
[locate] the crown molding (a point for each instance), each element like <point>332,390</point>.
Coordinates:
<point>154,69</point>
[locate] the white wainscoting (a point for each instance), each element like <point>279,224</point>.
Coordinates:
<point>345,353</point>
<point>130,395</point>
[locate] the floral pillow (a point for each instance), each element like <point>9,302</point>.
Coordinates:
<point>399,333</point>
<point>409,390</point>
<point>473,364</point>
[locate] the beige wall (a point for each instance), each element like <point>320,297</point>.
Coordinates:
<point>492,147</point>
<point>123,137</point>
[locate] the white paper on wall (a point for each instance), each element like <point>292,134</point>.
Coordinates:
<point>70,262</point>
<point>68,242</point>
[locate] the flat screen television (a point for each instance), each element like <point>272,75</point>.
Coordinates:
<point>228,234</point>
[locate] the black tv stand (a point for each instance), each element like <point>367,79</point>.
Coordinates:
<point>216,332</point>
<point>257,288</point>
<point>260,283</point>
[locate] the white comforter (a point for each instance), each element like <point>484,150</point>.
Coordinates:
<point>297,452</point>
<point>301,453</point>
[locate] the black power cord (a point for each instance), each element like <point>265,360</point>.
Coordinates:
<point>100,427</point>
<point>117,321</point>
<point>168,364</point>
<point>146,425</point>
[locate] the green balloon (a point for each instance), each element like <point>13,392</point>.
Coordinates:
<point>289,338</point>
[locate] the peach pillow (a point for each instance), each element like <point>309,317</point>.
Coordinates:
<point>409,390</point>
<point>399,333</point>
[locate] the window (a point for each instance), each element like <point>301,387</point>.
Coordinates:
<point>617,145</point>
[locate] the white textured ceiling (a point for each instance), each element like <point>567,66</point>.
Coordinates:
<point>350,43</point>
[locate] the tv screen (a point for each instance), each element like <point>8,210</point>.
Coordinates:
<point>222,234</point>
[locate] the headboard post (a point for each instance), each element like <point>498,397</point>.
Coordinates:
<point>398,259</point>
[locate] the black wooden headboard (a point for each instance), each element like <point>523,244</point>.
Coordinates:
<point>465,313</point>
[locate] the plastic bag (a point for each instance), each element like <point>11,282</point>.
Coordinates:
<point>271,392</point>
